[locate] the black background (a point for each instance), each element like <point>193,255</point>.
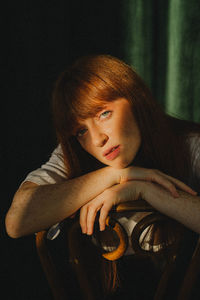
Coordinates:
<point>39,39</point>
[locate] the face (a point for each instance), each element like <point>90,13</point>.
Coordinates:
<point>112,136</point>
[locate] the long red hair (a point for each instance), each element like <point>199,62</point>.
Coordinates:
<point>81,91</point>
<point>91,81</point>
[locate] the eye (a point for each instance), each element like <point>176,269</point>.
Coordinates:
<point>105,114</point>
<point>81,132</point>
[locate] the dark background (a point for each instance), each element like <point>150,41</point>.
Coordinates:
<point>39,40</point>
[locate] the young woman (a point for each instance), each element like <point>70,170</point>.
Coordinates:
<point>115,145</point>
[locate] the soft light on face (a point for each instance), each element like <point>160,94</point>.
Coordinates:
<point>112,136</point>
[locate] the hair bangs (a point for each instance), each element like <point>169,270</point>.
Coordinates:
<point>87,99</point>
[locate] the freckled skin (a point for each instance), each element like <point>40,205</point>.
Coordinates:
<point>117,128</point>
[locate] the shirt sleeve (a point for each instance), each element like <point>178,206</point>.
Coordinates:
<point>195,162</point>
<point>53,171</point>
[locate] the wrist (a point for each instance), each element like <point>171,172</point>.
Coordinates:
<point>119,177</point>
<point>146,190</point>
<point>153,193</point>
<point>111,175</point>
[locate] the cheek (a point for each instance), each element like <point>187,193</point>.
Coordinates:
<point>128,132</point>
<point>131,130</point>
<point>110,130</point>
<point>131,138</point>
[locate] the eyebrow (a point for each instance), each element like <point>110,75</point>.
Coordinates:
<point>77,124</point>
<point>93,112</point>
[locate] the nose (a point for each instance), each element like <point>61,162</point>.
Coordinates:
<point>99,138</point>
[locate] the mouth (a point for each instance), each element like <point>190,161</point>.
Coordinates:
<point>111,153</point>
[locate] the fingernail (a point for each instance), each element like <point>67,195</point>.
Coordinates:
<point>194,193</point>
<point>83,231</point>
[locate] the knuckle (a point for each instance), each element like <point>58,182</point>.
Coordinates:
<point>151,175</point>
<point>84,208</point>
<point>104,209</point>
<point>91,206</point>
<point>104,212</point>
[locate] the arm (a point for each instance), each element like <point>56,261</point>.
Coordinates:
<point>35,208</point>
<point>184,208</point>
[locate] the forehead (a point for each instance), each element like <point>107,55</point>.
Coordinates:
<point>120,105</point>
<point>89,111</point>
<point>84,112</point>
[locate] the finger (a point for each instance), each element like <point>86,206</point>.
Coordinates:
<point>102,218</point>
<point>157,177</point>
<point>91,219</point>
<point>181,185</point>
<point>166,183</point>
<point>83,218</point>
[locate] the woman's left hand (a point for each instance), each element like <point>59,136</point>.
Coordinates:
<point>184,209</point>
<point>128,191</point>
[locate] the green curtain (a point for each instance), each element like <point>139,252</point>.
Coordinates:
<point>162,42</point>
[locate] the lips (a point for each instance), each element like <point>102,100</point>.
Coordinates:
<point>112,153</point>
<point>108,151</point>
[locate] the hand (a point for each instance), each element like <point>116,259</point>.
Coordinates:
<point>168,182</point>
<point>104,202</point>
<point>128,188</point>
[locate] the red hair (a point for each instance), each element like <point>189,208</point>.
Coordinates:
<point>84,88</point>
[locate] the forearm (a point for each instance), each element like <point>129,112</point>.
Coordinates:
<point>135,187</point>
<point>38,207</point>
<point>185,208</point>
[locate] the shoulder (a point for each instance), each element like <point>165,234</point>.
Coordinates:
<point>53,171</point>
<point>193,139</point>
<point>57,156</point>
<point>194,150</point>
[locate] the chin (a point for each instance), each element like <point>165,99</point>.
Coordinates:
<point>120,165</point>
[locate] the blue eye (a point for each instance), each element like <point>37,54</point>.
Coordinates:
<point>81,132</point>
<point>105,114</point>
